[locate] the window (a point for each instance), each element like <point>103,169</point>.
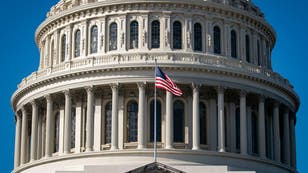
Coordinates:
<point>233,44</point>
<point>52,53</point>
<point>63,48</point>
<point>108,120</point>
<point>132,121</point>
<point>77,43</point>
<point>197,37</point>
<point>155,31</point>
<point>73,127</point>
<point>177,35</point>
<point>178,120</point>
<point>238,128</point>
<point>113,44</point>
<point>217,40</point>
<point>158,121</point>
<point>259,53</point>
<point>247,45</point>
<point>254,133</point>
<point>94,39</point>
<point>57,132</point>
<point>203,126</point>
<point>134,31</point>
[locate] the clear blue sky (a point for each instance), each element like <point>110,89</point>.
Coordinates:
<point>19,57</point>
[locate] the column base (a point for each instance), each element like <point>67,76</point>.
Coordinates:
<point>140,147</point>
<point>89,149</point>
<point>169,147</point>
<point>196,148</point>
<point>114,148</point>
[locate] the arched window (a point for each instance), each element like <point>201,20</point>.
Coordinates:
<point>177,35</point>
<point>113,36</point>
<point>254,135</point>
<point>178,120</point>
<point>217,40</point>
<point>132,121</point>
<point>108,119</point>
<point>77,43</point>
<point>57,132</point>
<point>203,124</point>
<point>63,48</point>
<point>52,53</point>
<point>73,127</point>
<point>134,32</point>
<point>94,39</point>
<point>259,52</point>
<point>233,44</point>
<point>197,37</point>
<point>155,30</point>
<point>158,121</point>
<point>247,46</point>
<point>237,129</point>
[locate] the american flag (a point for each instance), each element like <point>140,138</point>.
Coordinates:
<point>163,81</point>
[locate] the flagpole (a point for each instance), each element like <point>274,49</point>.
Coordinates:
<point>155,97</point>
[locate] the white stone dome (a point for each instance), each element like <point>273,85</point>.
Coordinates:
<point>89,106</point>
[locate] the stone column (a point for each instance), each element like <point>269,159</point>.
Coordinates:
<point>286,135</point>
<point>17,141</point>
<point>90,119</point>
<point>98,115</point>
<point>34,129</point>
<point>293,141</point>
<point>169,120</point>
<point>78,127</point>
<point>24,134</point>
<point>67,122</point>
<point>243,123</point>
<point>50,127</point>
<point>277,155</point>
<point>213,124</point>
<point>261,128</point>
<point>39,136</point>
<point>114,118</point>
<point>141,116</point>
<point>221,119</point>
<point>232,110</point>
<point>196,118</point>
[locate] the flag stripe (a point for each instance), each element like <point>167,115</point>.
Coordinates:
<point>162,84</point>
<point>163,81</point>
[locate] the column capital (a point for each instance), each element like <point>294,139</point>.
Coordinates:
<point>33,103</point>
<point>114,86</point>
<point>243,93</point>
<point>261,98</point>
<point>17,116</point>
<point>141,85</point>
<point>48,98</point>
<point>67,93</point>
<point>196,86</point>
<point>220,89</point>
<point>276,104</point>
<point>24,110</point>
<point>89,89</point>
<point>286,110</point>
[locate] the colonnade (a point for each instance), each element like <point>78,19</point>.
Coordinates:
<point>283,146</point>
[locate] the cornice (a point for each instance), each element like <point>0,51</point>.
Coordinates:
<point>100,9</point>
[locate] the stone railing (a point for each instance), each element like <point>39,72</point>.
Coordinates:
<point>134,59</point>
<point>245,5</point>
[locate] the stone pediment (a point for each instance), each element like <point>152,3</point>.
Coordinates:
<point>155,167</point>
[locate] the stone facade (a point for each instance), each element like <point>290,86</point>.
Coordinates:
<point>89,105</point>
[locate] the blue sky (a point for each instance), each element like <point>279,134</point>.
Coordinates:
<point>19,57</point>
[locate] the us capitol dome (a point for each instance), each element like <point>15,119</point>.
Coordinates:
<point>89,106</point>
